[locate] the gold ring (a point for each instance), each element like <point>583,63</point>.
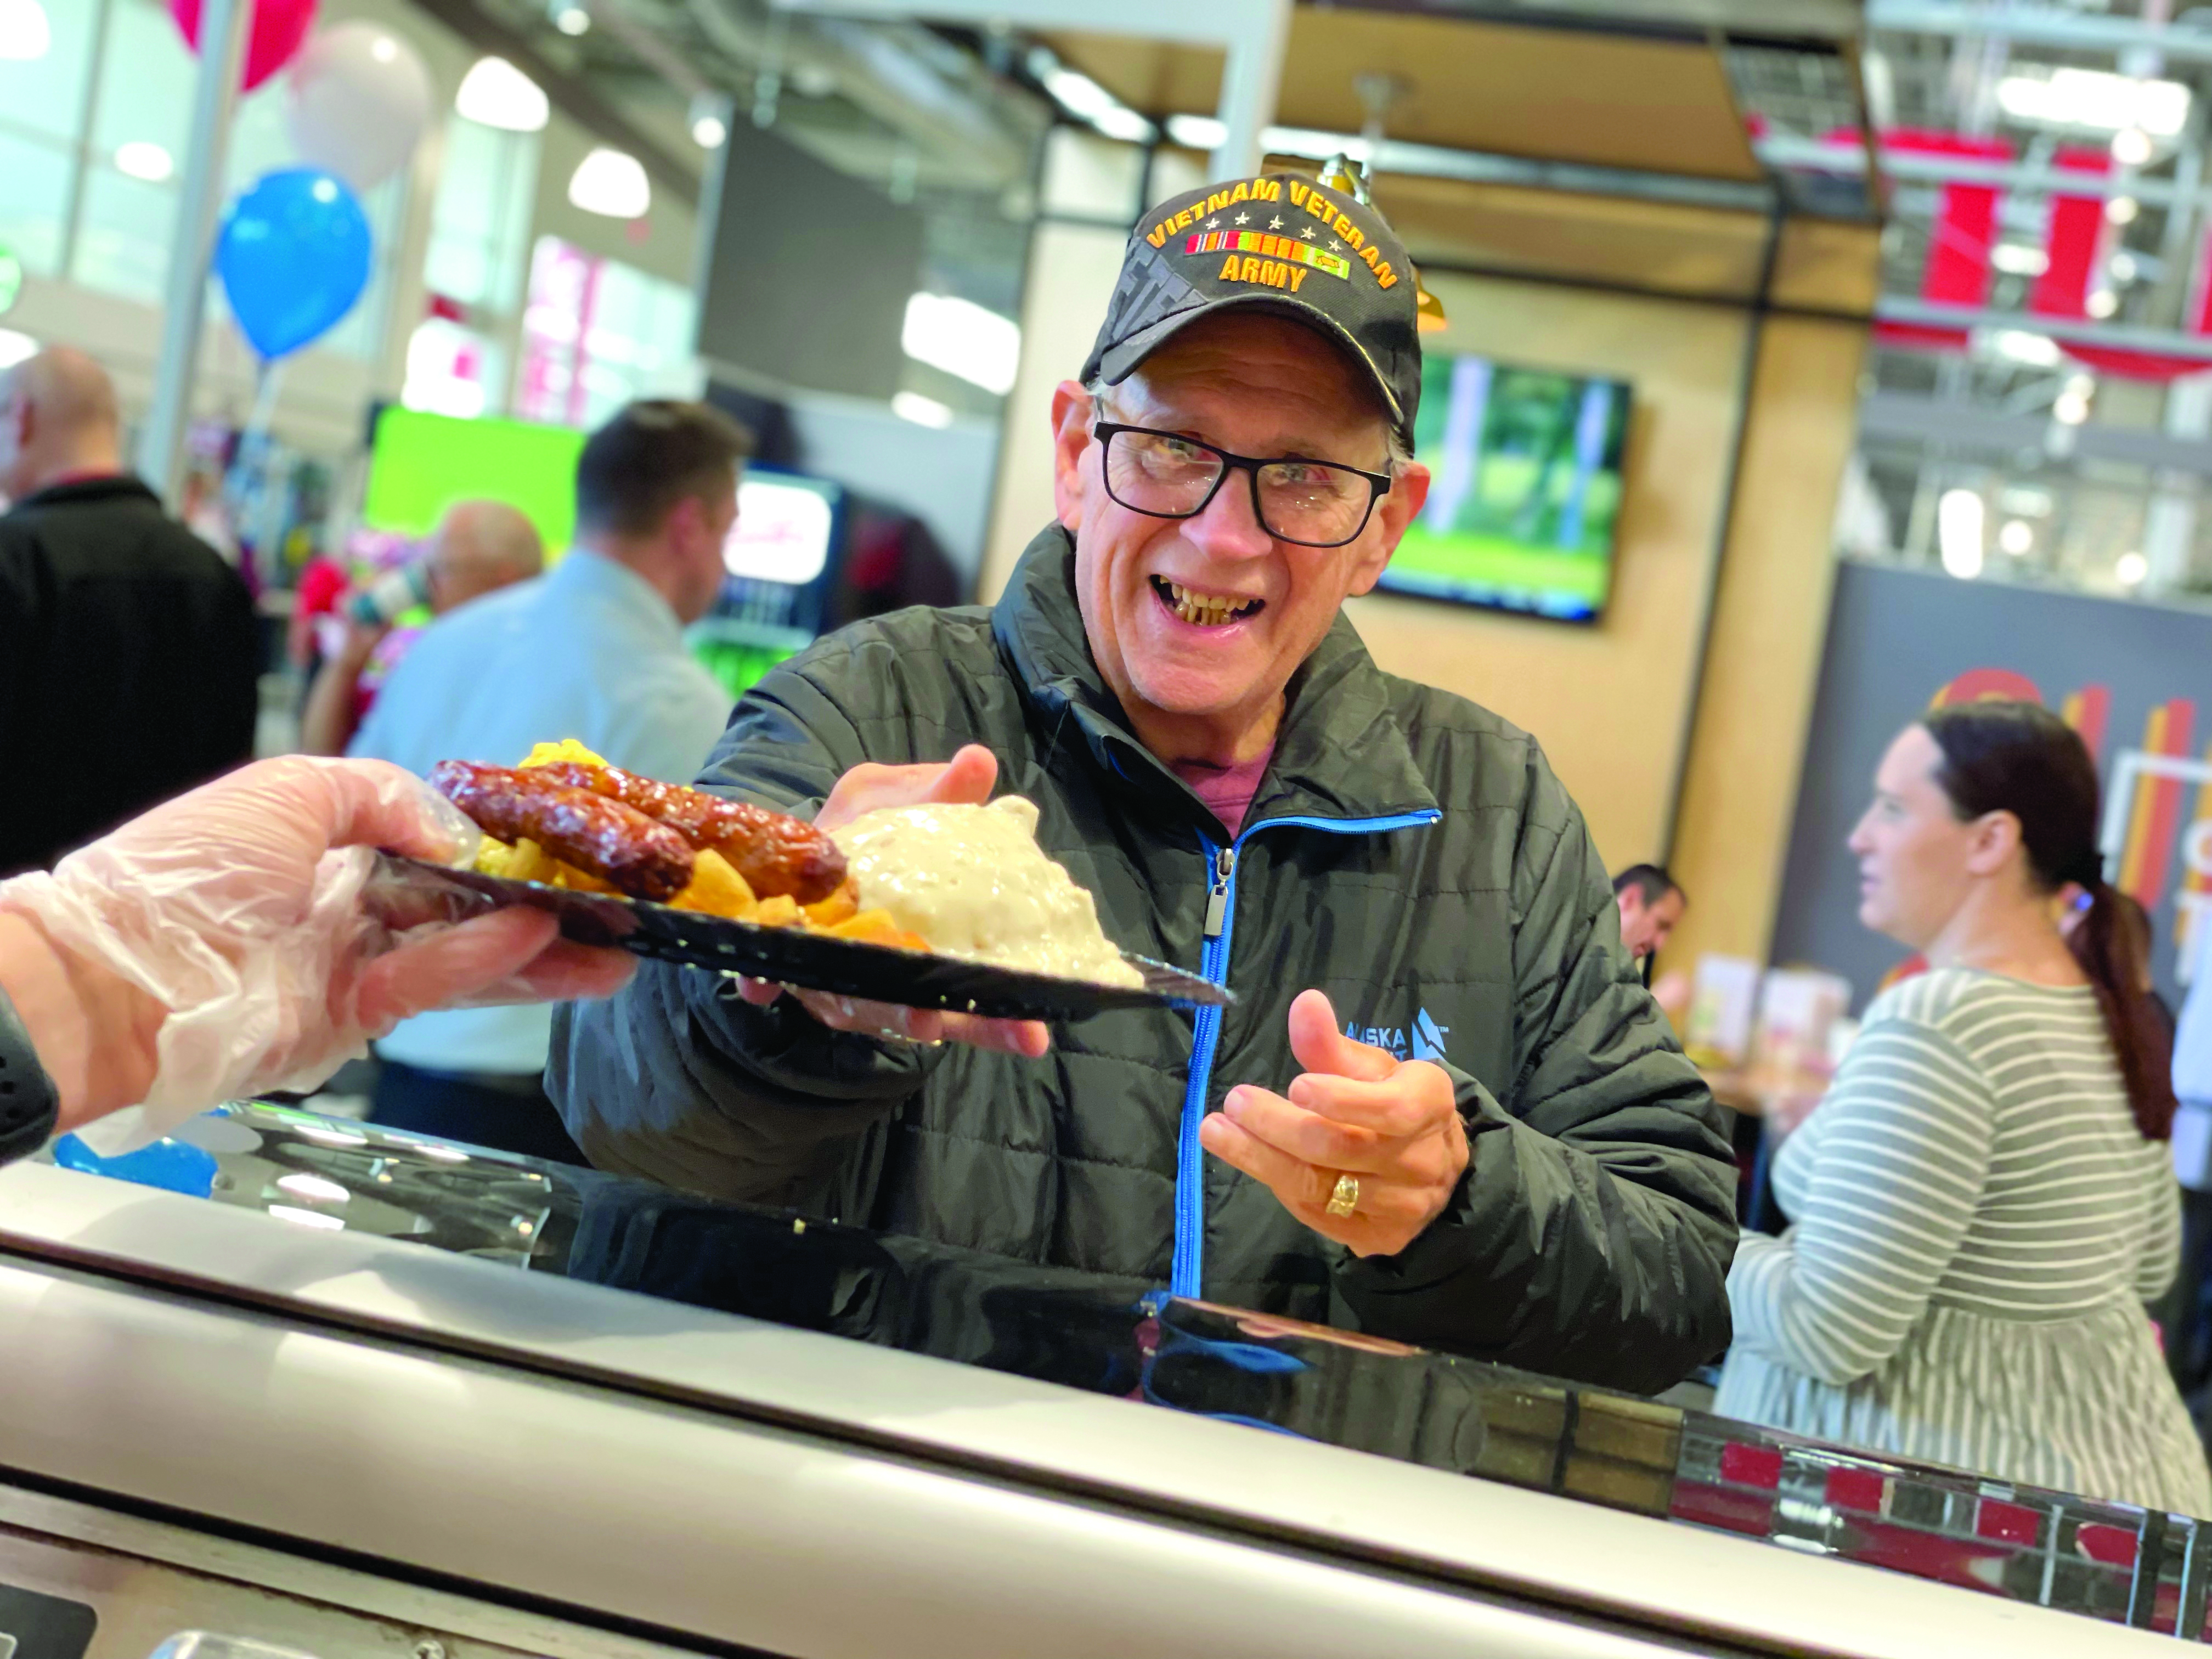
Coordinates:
<point>1345,1199</point>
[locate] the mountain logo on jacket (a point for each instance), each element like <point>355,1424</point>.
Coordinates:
<point>1422,1040</point>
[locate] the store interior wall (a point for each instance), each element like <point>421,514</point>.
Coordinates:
<point>1770,616</point>
<point>1609,701</point>
<point>1071,271</point>
<point>942,474</point>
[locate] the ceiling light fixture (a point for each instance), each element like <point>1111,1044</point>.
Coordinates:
<point>2096,98</point>
<point>1125,124</point>
<point>2019,259</point>
<point>139,158</point>
<point>2036,350</point>
<point>1204,133</point>
<point>2131,147</point>
<point>2101,304</point>
<point>25,34</point>
<point>962,338</point>
<point>495,94</point>
<point>922,412</point>
<point>611,182</point>
<point>710,120</point>
<point>1959,514</point>
<point>1083,98</point>
<point>2122,210</point>
<point>2130,569</point>
<point>2016,536</point>
<point>569,16</point>
<point>2071,407</point>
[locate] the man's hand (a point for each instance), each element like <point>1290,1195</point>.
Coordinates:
<point>1393,1125</point>
<point>966,779</point>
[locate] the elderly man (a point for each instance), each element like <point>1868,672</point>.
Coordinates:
<point>1443,1109</point>
<point>132,659</point>
<point>479,548</point>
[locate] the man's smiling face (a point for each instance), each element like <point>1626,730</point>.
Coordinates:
<point>1198,624</point>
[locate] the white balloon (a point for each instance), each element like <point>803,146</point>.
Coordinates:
<point>357,100</point>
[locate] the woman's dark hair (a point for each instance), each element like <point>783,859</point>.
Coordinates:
<point>2021,758</point>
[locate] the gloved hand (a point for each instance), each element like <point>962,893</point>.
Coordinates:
<point>216,946</point>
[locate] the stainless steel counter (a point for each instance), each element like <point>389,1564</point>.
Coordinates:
<point>478,1421</point>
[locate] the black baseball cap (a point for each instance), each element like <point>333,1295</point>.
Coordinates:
<point>1280,243</point>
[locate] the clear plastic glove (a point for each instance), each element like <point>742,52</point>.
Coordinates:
<point>216,947</point>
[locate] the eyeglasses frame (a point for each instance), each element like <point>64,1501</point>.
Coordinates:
<point>1378,483</point>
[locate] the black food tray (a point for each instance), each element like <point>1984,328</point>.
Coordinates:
<point>407,891</point>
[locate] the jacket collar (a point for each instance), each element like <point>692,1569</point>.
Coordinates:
<point>107,487</point>
<point>1340,753</point>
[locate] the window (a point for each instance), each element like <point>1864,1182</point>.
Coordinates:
<point>34,186</point>
<point>599,333</point>
<point>482,215</point>
<point>42,106</point>
<point>140,126</point>
<point>44,96</point>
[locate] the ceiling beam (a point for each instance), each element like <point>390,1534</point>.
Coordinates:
<point>2081,331</point>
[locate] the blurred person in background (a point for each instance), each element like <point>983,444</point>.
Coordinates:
<point>1651,904</point>
<point>133,656</point>
<point>1984,1202</point>
<point>479,548</point>
<point>594,651</point>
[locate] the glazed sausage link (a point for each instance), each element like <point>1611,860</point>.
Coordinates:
<point>617,844</point>
<point>775,853</point>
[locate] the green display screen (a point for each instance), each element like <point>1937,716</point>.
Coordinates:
<point>1525,482</point>
<point>419,465</point>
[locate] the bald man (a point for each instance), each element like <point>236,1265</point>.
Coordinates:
<point>479,548</point>
<point>130,655</point>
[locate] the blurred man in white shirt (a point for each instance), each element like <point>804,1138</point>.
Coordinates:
<point>593,650</point>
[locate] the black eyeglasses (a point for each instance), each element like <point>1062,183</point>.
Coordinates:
<point>1165,475</point>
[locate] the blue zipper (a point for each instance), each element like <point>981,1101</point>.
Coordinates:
<point>1187,1275</point>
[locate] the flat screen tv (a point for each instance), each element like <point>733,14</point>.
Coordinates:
<point>1525,469</point>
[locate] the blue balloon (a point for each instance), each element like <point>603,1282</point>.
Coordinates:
<point>293,257</point>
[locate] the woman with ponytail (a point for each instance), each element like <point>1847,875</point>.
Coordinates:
<point>1983,1203</point>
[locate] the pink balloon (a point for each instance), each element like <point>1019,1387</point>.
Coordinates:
<point>279,26</point>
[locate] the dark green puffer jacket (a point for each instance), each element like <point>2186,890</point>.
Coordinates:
<point>1408,853</point>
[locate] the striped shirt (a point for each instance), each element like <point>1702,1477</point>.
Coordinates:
<point>1978,1223</point>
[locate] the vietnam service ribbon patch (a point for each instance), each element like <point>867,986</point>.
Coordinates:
<point>1269,246</point>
